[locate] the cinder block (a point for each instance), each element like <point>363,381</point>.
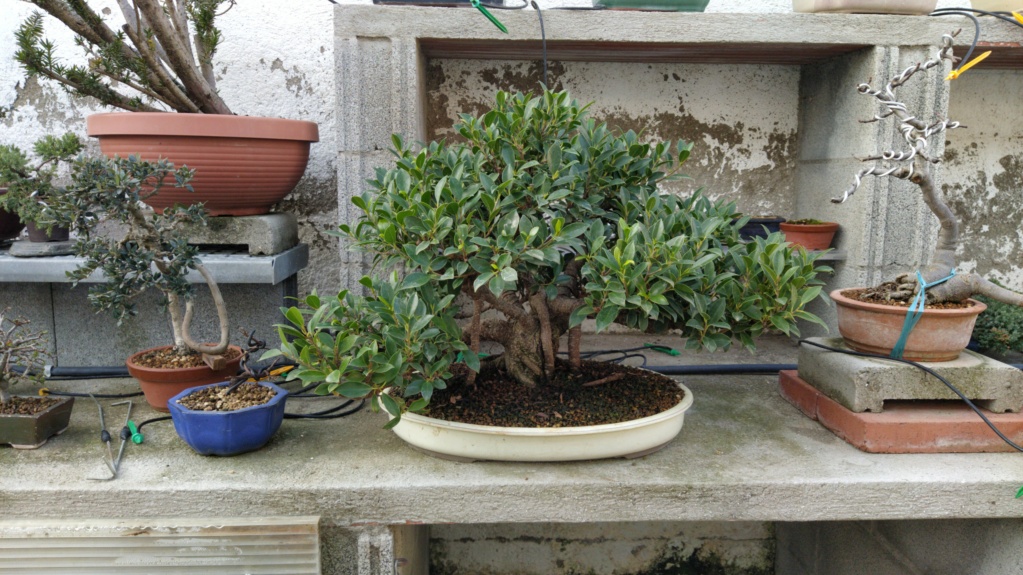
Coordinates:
<point>864,384</point>
<point>267,234</point>
<point>916,427</point>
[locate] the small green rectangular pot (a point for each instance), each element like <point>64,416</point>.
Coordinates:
<point>665,5</point>
<point>31,431</point>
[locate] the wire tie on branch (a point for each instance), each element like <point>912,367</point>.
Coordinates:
<point>916,310</point>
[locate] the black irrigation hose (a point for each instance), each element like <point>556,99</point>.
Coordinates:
<point>96,395</point>
<point>153,420</point>
<point>929,371</point>
<point>328,413</point>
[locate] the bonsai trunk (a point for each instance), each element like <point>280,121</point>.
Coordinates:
<point>182,323</point>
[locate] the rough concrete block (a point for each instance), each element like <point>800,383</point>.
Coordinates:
<point>936,547</point>
<point>918,427</point>
<point>864,384</point>
<point>27,249</point>
<point>264,235</point>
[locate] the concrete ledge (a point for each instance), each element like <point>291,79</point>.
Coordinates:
<point>262,235</point>
<point>744,454</point>
<point>864,384</point>
<point>228,266</point>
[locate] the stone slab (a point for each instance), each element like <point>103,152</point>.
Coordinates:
<point>916,427</point>
<point>267,234</point>
<point>27,249</point>
<point>864,384</point>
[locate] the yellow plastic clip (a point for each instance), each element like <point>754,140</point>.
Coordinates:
<point>961,69</point>
<point>1018,17</point>
<point>43,392</point>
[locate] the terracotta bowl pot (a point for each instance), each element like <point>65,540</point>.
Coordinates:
<point>810,236</point>
<point>940,335</point>
<point>243,165</point>
<point>159,384</point>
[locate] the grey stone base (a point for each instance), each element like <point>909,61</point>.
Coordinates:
<point>27,249</point>
<point>263,235</point>
<point>864,384</point>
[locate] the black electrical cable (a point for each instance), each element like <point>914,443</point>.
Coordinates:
<point>929,371</point>
<point>328,413</point>
<point>154,420</point>
<point>97,395</point>
<point>1004,16</point>
<point>543,40</point>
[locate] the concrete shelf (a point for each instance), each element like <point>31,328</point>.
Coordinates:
<point>228,266</point>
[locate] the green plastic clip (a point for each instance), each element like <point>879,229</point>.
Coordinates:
<point>136,435</point>
<point>476,4</point>
<point>1019,493</point>
<point>662,348</point>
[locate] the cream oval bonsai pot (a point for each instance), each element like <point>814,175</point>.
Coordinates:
<point>532,259</point>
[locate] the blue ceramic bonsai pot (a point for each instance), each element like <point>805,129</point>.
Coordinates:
<point>228,432</point>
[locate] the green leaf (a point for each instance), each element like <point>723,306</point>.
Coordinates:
<point>294,316</point>
<point>606,317</point>
<point>354,390</point>
<point>390,405</point>
<point>414,281</point>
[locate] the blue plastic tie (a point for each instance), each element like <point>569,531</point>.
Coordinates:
<point>916,310</point>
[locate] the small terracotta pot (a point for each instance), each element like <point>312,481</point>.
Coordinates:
<point>159,384</point>
<point>56,234</point>
<point>940,335</point>
<point>810,236</point>
<point>243,164</point>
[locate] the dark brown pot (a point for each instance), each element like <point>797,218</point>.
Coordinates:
<point>243,165</point>
<point>810,236</point>
<point>10,224</point>
<point>31,431</point>
<point>56,234</point>
<point>940,335</point>
<point>159,385</point>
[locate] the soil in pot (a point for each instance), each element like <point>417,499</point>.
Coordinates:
<point>620,393</point>
<point>217,398</point>
<point>879,295</point>
<point>167,358</point>
<point>27,405</point>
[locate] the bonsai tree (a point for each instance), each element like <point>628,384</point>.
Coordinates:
<point>31,191</point>
<point>914,164</point>
<point>18,347</point>
<point>160,57</point>
<point>151,254</point>
<point>538,219</point>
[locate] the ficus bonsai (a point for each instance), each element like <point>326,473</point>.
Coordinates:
<point>32,191</point>
<point>152,252</point>
<point>160,58</point>
<point>18,347</point>
<point>915,164</point>
<point>537,219</point>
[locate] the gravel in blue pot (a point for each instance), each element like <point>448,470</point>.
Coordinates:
<point>199,417</point>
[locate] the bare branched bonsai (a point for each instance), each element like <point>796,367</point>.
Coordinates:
<point>162,53</point>
<point>915,164</point>
<point>152,254</point>
<point>18,347</point>
<point>540,219</point>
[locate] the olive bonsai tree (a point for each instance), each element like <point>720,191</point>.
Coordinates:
<point>914,163</point>
<point>18,347</point>
<point>31,189</point>
<point>538,219</point>
<point>160,58</point>
<point>152,252</point>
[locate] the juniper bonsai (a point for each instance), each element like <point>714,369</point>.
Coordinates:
<point>914,164</point>
<point>162,53</point>
<point>538,219</point>
<point>151,254</point>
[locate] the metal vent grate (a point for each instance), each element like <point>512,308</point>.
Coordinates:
<point>243,546</point>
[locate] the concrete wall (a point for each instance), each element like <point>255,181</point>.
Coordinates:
<point>984,173</point>
<point>739,548</point>
<point>743,119</point>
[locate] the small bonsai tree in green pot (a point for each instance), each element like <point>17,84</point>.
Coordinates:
<point>32,192</point>
<point>26,422</point>
<point>539,219</point>
<point>152,254</point>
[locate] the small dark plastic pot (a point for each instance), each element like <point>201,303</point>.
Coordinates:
<point>754,228</point>
<point>56,234</point>
<point>10,224</point>
<point>228,432</point>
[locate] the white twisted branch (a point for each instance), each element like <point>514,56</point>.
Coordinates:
<point>915,133</point>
